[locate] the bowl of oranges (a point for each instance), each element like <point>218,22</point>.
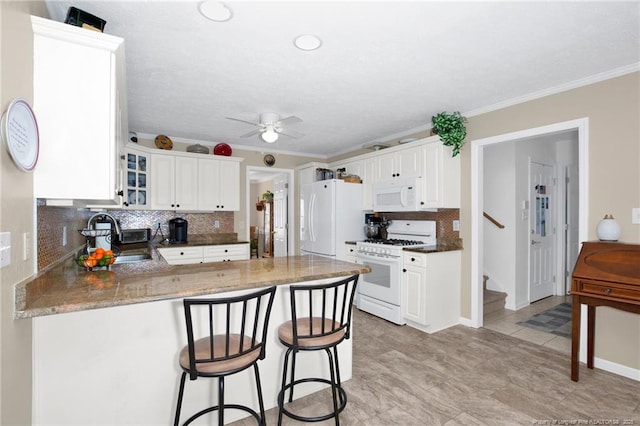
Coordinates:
<point>96,259</point>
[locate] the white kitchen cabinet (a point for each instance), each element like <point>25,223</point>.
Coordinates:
<point>431,289</point>
<point>174,182</point>
<point>80,102</point>
<point>136,179</point>
<point>182,255</point>
<point>402,163</point>
<point>440,177</point>
<point>427,158</point>
<point>226,253</point>
<point>218,185</point>
<point>349,253</point>
<point>204,254</point>
<point>368,178</point>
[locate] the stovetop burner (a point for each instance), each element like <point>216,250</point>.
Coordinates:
<point>394,242</point>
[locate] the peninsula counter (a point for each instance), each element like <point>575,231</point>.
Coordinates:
<point>106,343</point>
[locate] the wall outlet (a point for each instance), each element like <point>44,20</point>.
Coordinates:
<point>635,216</point>
<point>64,236</point>
<point>216,224</point>
<point>456,225</point>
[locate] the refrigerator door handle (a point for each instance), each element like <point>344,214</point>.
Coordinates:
<point>311,219</point>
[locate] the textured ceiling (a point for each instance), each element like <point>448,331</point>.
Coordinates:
<point>384,68</point>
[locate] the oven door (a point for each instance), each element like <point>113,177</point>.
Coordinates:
<point>383,282</point>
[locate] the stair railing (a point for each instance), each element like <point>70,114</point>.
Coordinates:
<point>492,220</point>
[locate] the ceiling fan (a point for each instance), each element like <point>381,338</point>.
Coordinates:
<point>270,127</point>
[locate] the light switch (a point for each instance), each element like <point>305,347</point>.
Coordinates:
<point>5,249</point>
<point>26,244</point>
<point>635,216</point>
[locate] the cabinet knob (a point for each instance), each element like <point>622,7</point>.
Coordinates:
<point>422,203</point>
<point>177,205</point>
<point>404,270</point>
<point>121,193</point>
<point>126,204</point>
<point>226,251</point>
<point>413,259</point>
<point>173,205</point>
<point>607,290</point>
<point>181,253</point>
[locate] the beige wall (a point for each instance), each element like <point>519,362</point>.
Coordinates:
<point>613,108</point>
<point>16,214</point>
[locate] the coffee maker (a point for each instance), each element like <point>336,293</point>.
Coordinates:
<point>178,228</point>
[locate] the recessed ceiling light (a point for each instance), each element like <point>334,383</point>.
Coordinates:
<point>307,42</point>
<point>215,10</point>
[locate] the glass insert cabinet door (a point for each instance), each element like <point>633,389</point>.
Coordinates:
<point>137,169</point>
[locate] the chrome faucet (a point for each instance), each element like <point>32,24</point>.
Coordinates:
<point>107,215</point>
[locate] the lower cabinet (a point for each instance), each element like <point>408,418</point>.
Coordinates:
<point>349,253</point>
<point>431,290</point>
<point>226,253</point>
<point>204,254</point>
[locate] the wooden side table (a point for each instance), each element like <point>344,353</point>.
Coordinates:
<point>606,274</point>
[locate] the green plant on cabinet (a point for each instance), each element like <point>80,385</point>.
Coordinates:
<point>451,129</point>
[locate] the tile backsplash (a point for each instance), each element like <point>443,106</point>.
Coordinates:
<point>444,221</point>
<point>52,220</point>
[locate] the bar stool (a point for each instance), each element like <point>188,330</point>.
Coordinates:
<point>234,339</point>
<point>320,320</point>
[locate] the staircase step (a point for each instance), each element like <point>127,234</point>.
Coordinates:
<point>493,301</point>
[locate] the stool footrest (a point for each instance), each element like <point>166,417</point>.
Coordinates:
<point>342,396</point>
<point>226,406</point>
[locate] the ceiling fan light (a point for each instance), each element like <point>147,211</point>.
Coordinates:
<point>269,135</point>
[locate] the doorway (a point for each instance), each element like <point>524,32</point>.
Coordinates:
<point>579,126</point>
<point>273,237</point>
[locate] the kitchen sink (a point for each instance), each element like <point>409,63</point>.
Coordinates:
<point>131,258</point>
<point>133,253</point>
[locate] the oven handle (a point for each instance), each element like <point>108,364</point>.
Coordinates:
<point>384,258</point>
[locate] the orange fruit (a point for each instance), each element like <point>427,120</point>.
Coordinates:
<point>89,262</point>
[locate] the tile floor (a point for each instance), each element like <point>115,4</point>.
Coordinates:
<point>506,322</point>
<point>466,376</point>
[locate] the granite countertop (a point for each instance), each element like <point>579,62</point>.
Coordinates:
<point>67,287</point>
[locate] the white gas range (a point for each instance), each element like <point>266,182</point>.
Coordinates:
<point>380,291</point>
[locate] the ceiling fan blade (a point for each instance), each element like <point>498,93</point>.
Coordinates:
<point>291,134</point>
<point>290,120</point>
<point>243,121</point>
<point>251,133</point>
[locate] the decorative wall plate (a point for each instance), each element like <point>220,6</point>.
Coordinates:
<point>164,142</point>
<point>269,160</point>
<point>19,131</point>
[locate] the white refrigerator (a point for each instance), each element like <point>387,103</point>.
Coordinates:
<point>330,214</point>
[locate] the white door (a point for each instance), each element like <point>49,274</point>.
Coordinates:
<point>542,231</point>
<point>280,225</point>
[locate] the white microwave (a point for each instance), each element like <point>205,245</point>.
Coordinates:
<point>397,195</point>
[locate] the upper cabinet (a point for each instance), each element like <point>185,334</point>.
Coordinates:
<point>80,104</point>
<point>428,159</point>
<point>218,185</point>
<point>399,164</point>
<point>137,166</point>
<point>194,182</point>
<point>174,182</point>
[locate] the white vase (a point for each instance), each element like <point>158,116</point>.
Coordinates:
<point>608,229</point>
